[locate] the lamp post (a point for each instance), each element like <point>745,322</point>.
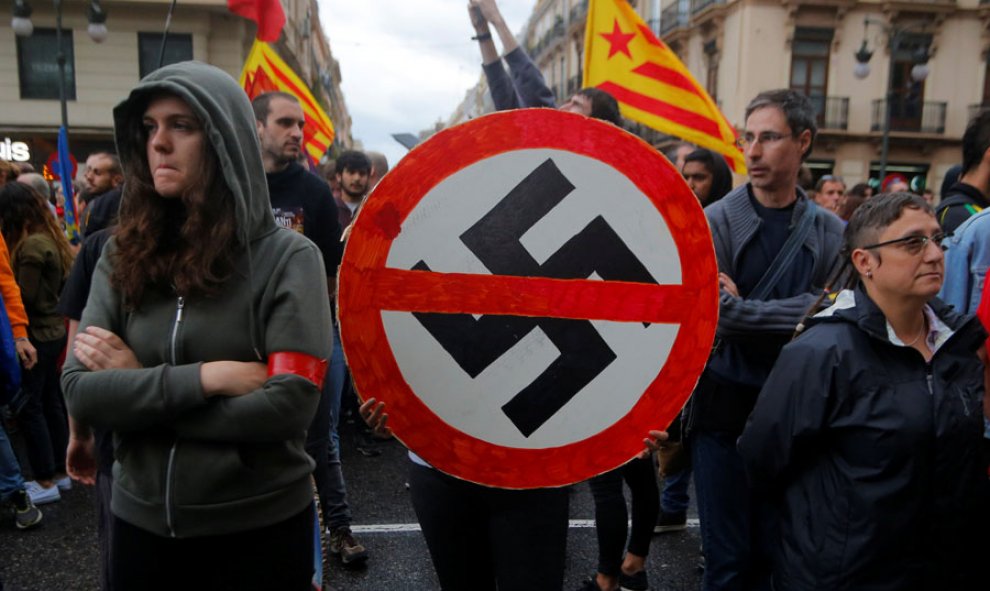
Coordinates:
<point>97,30</point>
<point>919,72</point>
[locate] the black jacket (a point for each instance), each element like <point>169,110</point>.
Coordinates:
<point>961,202</point>
<point>871,455</point>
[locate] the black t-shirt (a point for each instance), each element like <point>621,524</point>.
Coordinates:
<point>103,211</point>
<point>759,254</point>
<point>303,202</point>
<point>76,289</point>
<point>71,304</point>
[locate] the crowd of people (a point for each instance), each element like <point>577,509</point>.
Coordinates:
<point>838,437</point>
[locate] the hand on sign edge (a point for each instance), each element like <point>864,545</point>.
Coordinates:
<point>375,417</point>
<point>653,443</point>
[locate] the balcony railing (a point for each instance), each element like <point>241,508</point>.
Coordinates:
<point>699,5</point>
<point>978,108</point>
<point>832,112</point>
<point>672,18</point>
<point>909,114</point>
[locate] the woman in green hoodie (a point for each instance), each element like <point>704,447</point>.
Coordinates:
<point>201,347</point>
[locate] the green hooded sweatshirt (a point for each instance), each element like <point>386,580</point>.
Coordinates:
<point>186,465</point>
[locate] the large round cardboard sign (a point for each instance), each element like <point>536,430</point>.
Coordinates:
<point>529,293</point>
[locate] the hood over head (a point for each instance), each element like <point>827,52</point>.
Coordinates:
<point>229,124</point>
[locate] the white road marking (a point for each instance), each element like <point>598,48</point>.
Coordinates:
<point>392,528</point>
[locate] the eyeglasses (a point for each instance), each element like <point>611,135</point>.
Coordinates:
<point>766,138</point>
<point>832,177</point>
<point>914,244</point>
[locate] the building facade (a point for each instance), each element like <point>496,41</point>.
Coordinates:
<point>99,75</point>
<point>738,48</point>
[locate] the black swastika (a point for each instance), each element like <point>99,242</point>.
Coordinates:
<point>495,239</point>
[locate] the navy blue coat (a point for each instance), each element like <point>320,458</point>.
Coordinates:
<point>871,455</point>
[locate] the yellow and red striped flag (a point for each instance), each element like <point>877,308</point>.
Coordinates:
<point>624,58</point>
<point>264,71</point>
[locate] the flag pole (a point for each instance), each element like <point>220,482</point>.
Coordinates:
<point>168,25</point>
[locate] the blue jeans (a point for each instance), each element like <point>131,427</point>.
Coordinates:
<point>11,480</point>
<point>322,447</point>
<point>336,375</point>
<point>674,498</point>
<point>734,524</point>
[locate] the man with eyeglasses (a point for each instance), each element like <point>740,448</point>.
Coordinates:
<point>775,249</point>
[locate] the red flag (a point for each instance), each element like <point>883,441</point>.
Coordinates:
<point>268,14</point>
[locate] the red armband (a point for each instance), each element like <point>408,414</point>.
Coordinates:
<point>299,364</point>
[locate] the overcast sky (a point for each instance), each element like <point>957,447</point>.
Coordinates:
<point>405,63</point>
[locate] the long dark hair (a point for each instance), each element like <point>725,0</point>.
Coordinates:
<point>24,212</point>
<point>187,244</point>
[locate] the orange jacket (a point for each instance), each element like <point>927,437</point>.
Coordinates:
<point>11,294</point>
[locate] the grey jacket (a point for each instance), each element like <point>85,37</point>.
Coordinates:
<point>734,223</point>
<point>186,465</point>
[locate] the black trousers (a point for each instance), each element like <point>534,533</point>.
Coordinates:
<point>43,418</point>
<point>483,538</point>
<point>278,556</point>
<point>611,515</point>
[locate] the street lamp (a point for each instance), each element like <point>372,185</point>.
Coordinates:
<point>23,27</point>
<point>918,73</point>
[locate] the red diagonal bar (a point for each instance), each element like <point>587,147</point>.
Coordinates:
<point>663,109</point>
<point>461,293</point>
<point>655,71</point>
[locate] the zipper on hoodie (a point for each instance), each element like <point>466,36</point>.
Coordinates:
<point>170,468</point>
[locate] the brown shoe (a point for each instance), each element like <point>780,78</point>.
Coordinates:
<point>343,544</point>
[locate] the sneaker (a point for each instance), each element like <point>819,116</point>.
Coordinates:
<point>589,585</point>
<point>64,484</point>
<point>635,582</point>
<point>343,544</point>
<point>25,513</point>
<point>40,495</point>
<point>668,522</point>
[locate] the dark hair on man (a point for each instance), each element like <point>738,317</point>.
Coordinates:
<point>976,141</point>
<point>798,110</point>
<point>261,103</point>
<point>353,161</point>
<point>115,167</point>
<point>873,217</point>
<point>603,105</point>
<point>951,177</point>
<point>721,175</point>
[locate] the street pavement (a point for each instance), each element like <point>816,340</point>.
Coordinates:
<point>61,553</point>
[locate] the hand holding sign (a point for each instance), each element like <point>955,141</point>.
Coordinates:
<point>529,293</point>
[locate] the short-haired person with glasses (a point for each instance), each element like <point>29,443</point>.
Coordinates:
<point>775,249</point>
<point>867,432</point>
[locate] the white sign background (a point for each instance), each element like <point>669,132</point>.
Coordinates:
<point>431,233</point>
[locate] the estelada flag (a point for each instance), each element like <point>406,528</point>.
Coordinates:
<point>267,14</point>
<point>625,59</point>
<point>264,71</point>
